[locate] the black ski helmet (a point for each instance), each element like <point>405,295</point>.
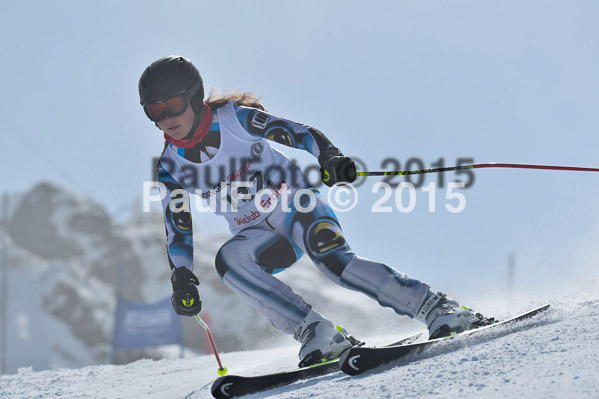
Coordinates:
<point>170,76</point>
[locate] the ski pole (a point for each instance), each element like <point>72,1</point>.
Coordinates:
<point>476,166</point>
<point>221,370</point>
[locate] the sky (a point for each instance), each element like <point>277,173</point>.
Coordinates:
<point>512,81</point>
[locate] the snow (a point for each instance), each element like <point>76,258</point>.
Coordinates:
<point>554,355</point>
<point>60,314</point>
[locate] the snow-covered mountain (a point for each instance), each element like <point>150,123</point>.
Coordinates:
<point>554,355</point>
<point>62,254</point>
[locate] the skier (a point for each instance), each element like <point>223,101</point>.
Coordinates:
<point>210,147</point>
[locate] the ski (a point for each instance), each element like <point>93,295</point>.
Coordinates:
<point>357,360</point>
<point>231,386</point>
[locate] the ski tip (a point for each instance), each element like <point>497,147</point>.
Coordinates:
<point>349,362</point>
<point>343,356</point>
<point>220,388</point>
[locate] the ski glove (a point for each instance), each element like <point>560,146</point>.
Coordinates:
<point>185,299</point>
<point>336,167</point>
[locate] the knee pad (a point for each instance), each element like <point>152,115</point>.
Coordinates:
<point>277,256</point>
<point>324,236</point>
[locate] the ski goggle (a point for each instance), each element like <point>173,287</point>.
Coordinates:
<point>170,107</point>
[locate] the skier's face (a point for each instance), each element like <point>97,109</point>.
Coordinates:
<point>178,126</point>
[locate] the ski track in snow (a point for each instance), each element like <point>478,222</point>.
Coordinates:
<point>555,355</point>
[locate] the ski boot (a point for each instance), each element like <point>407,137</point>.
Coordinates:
<point>321,340</point>
<point>444,316</point>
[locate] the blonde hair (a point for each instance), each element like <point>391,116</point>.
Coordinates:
<point>217,99</point>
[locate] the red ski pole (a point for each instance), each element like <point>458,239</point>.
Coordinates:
<point>476,166</point>
<point>221,370</point>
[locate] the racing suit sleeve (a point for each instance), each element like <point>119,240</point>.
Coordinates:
<point>286,132</point>
<point>177,221</point>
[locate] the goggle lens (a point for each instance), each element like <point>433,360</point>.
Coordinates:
<point>172,107</point>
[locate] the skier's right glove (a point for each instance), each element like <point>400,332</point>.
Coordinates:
<point>185,299</point>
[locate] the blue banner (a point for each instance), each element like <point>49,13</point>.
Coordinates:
<point>139,325</point>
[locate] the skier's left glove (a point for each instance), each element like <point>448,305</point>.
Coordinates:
<point>185,299</point>
<point>336,167</point>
